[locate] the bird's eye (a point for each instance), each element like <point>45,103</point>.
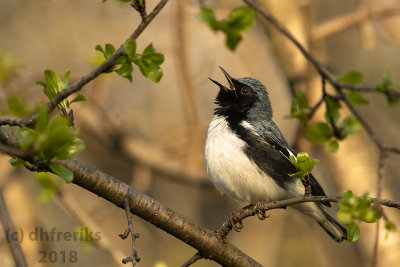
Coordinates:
<point>245,91</point>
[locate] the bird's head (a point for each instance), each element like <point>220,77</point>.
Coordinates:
<point>246,98</point>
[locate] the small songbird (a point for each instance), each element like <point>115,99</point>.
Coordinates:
<point>248,158</point>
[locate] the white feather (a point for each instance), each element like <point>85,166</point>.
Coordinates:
<point>234,173</point>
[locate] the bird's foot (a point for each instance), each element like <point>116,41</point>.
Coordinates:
<point>260,211</point>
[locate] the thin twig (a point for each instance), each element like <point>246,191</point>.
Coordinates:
<point>336,131</point>
<point>381,167</point>
<point>106,65</point>
<point>8,228</point>
<point>11,121</point>
<point>134,257</point>
<point>192,260</point>
<point>263,207</point>
<point>376,245</point>
<point>318,65</point>
<point>344,22</point>
<point>315,107</point>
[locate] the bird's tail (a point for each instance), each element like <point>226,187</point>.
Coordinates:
<point>334,229</point>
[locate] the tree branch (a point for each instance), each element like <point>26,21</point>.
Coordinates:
<point>8,227</point>
<point>262,207</point>
<point>115,191</point>
<point>107,64</point>
<point>323,71</point>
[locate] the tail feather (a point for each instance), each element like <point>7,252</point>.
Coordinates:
<point>334,229</point>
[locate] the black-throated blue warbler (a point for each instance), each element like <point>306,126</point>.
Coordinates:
<point>248,158</point>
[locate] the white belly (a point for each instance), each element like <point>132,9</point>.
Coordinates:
<point>231,170</point>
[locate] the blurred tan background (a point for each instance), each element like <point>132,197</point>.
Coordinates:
<point>152,135</point>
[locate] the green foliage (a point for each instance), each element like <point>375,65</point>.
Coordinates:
<point>385,83</point>
<point>63,172</point>
<point>49,186</point>
<point>54,140</point>
<point>353,209</point>
<point>303,164</point>
<point>349,125</point>
<point>26,137</point>
<point>16,108</point>
<point>299,108</point>
<point>238,20</point>
<point>53,85</point>
<point>332,146</point>
<point>319,132</point>
<point>148,62</point>
<point>332,109</point>
<point>352,77</point>
<point>355,97</point>
<point>78,98</point>
<point>384,87</point>
<point>353,232</point>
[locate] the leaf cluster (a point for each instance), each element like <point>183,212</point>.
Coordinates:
<point>303,164</point>
<point>51,140</point>
<point>148,62</point>
<point>353,209</point>
<point>54,84</point>
<point>237,21</point>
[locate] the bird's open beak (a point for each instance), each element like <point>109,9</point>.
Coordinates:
<point>230,81</point>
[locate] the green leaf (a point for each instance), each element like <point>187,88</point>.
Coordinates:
<point>344,216</point>
<point>78,98</point>
<point>149,63</point>
<point>356,97</point>
<point>238,20</point>
<point>16,107</point>
<point>16,162</point>
<point>70,149</point>
<point>49,187</point>
<point>241,18</point>
<point>332,109</point>
<point>332,146</point>
<point>385,83</point>
<point>352,77</point>
<point>63,172</point>
<point>26,137</point>
<point>61,142</point>
<point>303,164</point>
<point>42,119</point>
<point>319,132</point>
<point>109,50</point>
<point>350,125</point>
<point>125,70</point>
<point>347,193</point>
<point>389,226</point>
<point>149,50</point>
<point>207,15</point>
<point>99,48</point>
<point>130,48</point>
<point>299,108</point>
<point>233,38</point>
<point>54,84</point>
<point>353,232</point>
<point>369,215</point>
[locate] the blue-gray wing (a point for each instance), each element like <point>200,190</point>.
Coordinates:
<point>274,137</point>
